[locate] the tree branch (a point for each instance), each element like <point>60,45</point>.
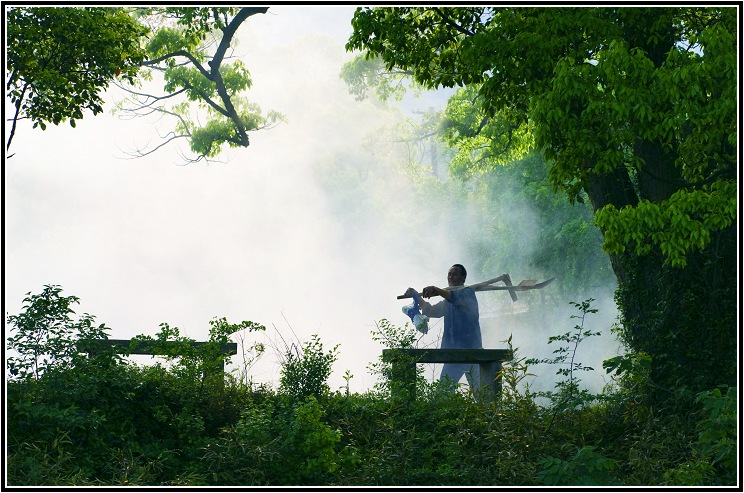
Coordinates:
<point>208,100</point>
<point>211,71</point>
<point>18,103</point>
<point>229,31</point>
<point>183,53</point>
<point>452,24</point>
<point>149,96</point>
<point>139,153</point>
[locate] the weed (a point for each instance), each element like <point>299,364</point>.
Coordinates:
<point>569,396</point>
<point>306,374</point>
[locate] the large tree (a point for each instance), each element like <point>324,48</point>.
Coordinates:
<point>635,109</point>
<point>62,59</point>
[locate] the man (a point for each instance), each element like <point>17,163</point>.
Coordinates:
<point>461,326</point>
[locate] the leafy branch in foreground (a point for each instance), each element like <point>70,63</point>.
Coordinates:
<point>192,49</point>
<point>62,60</point>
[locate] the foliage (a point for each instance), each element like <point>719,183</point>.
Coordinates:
<point>631,370</point>
<point>44,336</point>
<point>634,109</point>
<point>103,421</point>
<point>714,455</point>
<point>363,73</point>
<point>481,139</point>
<point>513,372</point>
<point>189,46</point>
<point>277,442</point>
<point>100,413</point>
<point>601,105</point>
<point>499,194</point>
<point>306,374</point>
<point>61,60</point>
<point>394,338</point>
<point>691,214</point>
<point>189,360</point>
<point>587,467</point>
<point>569,394</point>
<point>688,329</point>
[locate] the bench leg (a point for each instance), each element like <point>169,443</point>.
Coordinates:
<point>490,382</point>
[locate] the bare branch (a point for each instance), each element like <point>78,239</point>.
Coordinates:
<point>16,116</point>
<point>138,153</point>
<point>183,53</point>
<point>229,31</point>
<point>149,96</point>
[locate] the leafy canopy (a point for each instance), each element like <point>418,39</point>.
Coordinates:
<point>60,60</point>
<point>631,105</point>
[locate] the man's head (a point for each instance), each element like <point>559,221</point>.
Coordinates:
<point>456,275</point>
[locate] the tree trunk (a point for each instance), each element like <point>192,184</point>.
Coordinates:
<point>685,319</point>
<point>612,188</point>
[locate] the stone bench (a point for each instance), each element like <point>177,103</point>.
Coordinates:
<point>404,362</point>
<point>151,347</point>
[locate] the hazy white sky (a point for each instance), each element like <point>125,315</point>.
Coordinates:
<point>147,241</point>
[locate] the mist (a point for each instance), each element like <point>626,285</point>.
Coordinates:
<point>313,229</point>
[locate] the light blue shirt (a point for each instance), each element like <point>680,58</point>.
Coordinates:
<point>461,326</point>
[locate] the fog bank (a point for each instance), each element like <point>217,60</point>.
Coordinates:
<point>313,229</point>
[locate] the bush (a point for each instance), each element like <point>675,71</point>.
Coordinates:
<point>306,374</point>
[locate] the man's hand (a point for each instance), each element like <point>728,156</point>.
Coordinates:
<point>430,291</point>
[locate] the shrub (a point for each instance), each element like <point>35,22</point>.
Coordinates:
<point>306,374</point>
<point>713,461</point>
<point>587,467</point>
<point>45,337</point>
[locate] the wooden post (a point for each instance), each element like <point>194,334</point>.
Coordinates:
<point>403,374</point>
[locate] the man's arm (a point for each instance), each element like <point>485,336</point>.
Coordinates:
<point>427,308</point>
<point>430,291</point>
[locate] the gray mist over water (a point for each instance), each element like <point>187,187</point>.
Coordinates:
<point>314,229</point>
